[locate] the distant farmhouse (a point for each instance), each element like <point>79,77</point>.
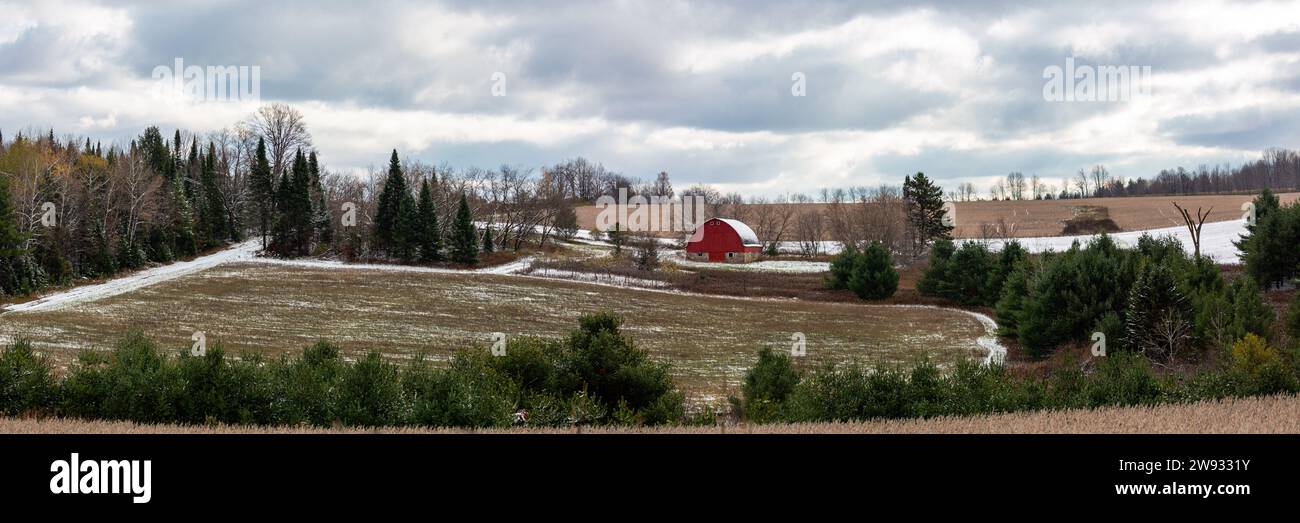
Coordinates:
<point>724,240</point>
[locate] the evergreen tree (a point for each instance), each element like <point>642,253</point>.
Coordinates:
<point>429,235</point>
<point>1158,314</point>
<point>464,242</point>
<point>406,240</point>
<point>300,206</point>
<point>1271,252</point>
<point>11,243</point>
<point>219,229</point>
<point>842,267</point>
<point>282,228</point>
<point>390,200</point>
<point>487,239</point>
<point>874,277</point>
<point>262,186</point>
<point>925,210</point>
<point>321,219</point>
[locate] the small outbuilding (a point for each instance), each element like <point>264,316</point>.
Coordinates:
<point>723,240</point>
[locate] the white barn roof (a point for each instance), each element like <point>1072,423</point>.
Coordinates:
<point>747,236</point>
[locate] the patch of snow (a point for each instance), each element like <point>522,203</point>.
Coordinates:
<point>505,268</point>
<point>1216,240</point>
<point>787,266</point>
<point>596,277</point>
<point>137,280</point>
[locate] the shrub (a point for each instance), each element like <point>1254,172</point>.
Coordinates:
<point>25,382</point>
<point>1259,367</point>
<point>842,266</point>
<point>767,384</point>
<point>1292,325</point>
<point>468,394</point>
<point>215,389</point>
<point>599,360</point>
<point>970,274</point>
<point>873,276</point>
<point>134,383</point>
<point>305,389</point>
<point>369,393</point>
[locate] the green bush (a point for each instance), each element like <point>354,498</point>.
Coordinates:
<point>135,382</point>
<point>767,384</point>
<point>874,277</point>
<point>306,389</point>
<point>868,273</point>
<point>218,390</point>
<point>26,385</point>
<point>468,394</point>
<point>369,393</point>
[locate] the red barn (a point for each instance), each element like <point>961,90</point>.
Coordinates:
<point>723,240</point>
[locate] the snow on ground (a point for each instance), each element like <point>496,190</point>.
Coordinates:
<point>617,280</point>
<point>787,266</point>
<point>130,282</point>
<point>1216,240</point>
<point>505,268</point>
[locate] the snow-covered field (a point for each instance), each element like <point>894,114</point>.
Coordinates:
<point>788,266</point>
<point>1216,240</point>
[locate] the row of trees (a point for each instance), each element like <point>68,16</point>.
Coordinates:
<point>1154,299</point>
<point>70,209</point>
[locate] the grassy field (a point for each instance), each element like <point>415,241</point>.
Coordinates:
<point>709,341</point>
<point>1260,415</point>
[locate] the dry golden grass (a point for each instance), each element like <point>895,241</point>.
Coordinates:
<point>1265,415</point>
<point>1032,218</point>
<point>708,341</point>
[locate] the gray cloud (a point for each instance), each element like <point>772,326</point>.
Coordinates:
<point>951,88</point>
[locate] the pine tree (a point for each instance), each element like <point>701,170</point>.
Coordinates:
<point>1158,314</point>
<point>282,228</point>
<point>873,276</point>
<point>406,240</point>
<point>487,240</point>
<point>262,186</point>
<point>321,220</point>
<point>464,244</point>
<point>11,242</point>
<point>430,237</point>
<point>300,206</point>
<point>215,219</point>
<point>925,210</point>
<point>390,200</point>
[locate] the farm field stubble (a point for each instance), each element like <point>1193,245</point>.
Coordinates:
<point>271,309</point>
<point>1258,415</point>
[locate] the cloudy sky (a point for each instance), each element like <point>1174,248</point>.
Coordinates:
<point>700,89</point>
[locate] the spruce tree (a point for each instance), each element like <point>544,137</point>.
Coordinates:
<point>427,216</point>
<point>464,244</point>
<point>262,186</point>
<point>406,239</point>
<point>11,242</point>
<point>925,210</point>
<point>218,227</point>
<point>300,206</point>
<point>321,219</point>
<point>487,240</point>
<point>390,199</point>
